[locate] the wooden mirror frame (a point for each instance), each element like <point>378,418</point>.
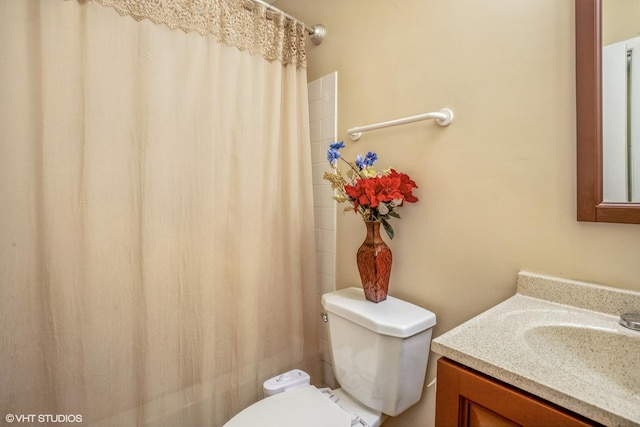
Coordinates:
<point>589,121</point>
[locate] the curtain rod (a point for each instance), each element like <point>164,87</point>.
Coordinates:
<point>316,32</point>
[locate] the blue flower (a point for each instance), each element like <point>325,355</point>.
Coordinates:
<point>333,156</point>
<point>368,160</point>
<point>332,153</point>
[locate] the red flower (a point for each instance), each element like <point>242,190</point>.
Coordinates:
<point>371,189</point>
<point>388,188</point>
<point>406,185</point>
<point>371,192</point>
<point>358,194</point>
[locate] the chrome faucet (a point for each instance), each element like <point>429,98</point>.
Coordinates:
<point>631,321</point>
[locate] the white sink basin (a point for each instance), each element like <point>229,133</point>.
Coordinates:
<point>603,357</point>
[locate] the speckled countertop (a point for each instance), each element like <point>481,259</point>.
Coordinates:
<point>560,340</point>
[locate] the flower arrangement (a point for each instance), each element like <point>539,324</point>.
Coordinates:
<point>374,195</point>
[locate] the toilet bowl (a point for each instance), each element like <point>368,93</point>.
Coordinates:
<point>379,353</point>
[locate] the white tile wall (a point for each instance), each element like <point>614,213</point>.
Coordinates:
<point>323,111</point>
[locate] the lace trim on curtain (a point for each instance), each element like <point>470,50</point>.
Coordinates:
<point>240,23</point>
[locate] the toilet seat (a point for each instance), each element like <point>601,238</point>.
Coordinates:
<point>304,407</point>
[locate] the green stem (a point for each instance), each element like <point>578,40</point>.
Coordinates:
<point>354,168</point>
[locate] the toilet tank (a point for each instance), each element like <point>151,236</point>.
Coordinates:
<point>380,351</point>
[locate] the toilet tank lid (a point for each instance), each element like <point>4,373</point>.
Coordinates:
<point>392,317</point>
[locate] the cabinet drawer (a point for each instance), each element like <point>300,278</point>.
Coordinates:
<point>467,398</point>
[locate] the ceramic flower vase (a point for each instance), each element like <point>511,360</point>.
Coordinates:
<point>374,264</point>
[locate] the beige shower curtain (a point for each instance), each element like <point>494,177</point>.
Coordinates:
<point>156,238</point>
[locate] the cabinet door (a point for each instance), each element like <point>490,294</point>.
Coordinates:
<point>466,398</point>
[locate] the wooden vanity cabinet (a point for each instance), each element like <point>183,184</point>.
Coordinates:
<point>467,398</point>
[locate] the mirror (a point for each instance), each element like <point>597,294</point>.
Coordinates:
<point>591,206</point>
<point>620,31</point>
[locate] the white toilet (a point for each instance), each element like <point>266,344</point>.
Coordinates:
<point>380,354</point>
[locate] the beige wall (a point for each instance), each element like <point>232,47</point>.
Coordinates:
<point>620,20</point>
<point>498,186</point>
